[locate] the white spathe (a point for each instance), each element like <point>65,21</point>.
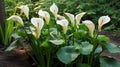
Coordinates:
<point>91,26</point>
<point>71,17</point>
<point>78,17</point>
<point>38,23</point>
<point>54,10</point>
<point>102,20</point>
<point>25,10</point>
<point>64,24</point>
<point>45,15</point>
<point>16,18</point>
<point>60,17</point>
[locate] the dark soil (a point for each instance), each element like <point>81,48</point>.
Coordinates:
<point>18,58</point>
<point>114,40</point>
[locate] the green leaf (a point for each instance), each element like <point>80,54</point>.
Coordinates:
<point>67,54</point>
<point>12,45</point>
<point>21,33</point>
<point>109,62</point>
<point>16,36</point>
<point>8,32</point>
<point>102,38</point>
<point>45,43</point>
<point>57,42</point>
<point>82,33</point>
<point>45,32</point>
<point>112,48</point>
<point>86,48</point>
<point>98,50</point>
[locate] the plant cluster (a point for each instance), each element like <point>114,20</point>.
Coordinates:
<point>63,41</point>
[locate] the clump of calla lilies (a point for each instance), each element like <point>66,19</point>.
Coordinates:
<point>65,38</point>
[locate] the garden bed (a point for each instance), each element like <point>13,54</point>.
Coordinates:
<point>17,58</point>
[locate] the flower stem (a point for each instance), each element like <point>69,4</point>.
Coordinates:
<point>65,39</point>
<point>73,35</point>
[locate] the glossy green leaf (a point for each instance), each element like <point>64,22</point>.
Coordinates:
<point>112,48</point>
<point>67,54</point>
<point>86,48</point>
<point>109,62</point>
<point>45,43</point>
<point>57,42</point>
<point>45,32</point>
<point>102,38</point>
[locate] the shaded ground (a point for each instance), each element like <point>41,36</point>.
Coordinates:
<point>114,40</point>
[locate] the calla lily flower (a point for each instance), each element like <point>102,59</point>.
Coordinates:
<point>54,10</point>
<point>16,18</point>
<point>78,17</point>
<point>45,15</point>
<point>64,24</point>
<point>90,25</point>
<point>102,20</point>
<point>71,17</point>
<point>25,10</point>
<point>60,17</point>
<point>38,23</point>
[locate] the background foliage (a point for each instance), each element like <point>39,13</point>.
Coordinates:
<point>94,8</point>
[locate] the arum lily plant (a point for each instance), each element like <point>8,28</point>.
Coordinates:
<point>77,18</point>
<point>25,10</point>
<point>38,23</point>
<point>45,15</point>
<point>65,45</point>
<point>54,10</point>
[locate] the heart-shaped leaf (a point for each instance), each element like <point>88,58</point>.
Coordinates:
<point>86,48</point>
<point>67,54</point>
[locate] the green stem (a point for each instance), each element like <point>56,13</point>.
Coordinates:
<point>32,47</point>
<point>48,58</point>
<point>40,54</point>
<point>65,39</point>
<point>73,36</point>
<point>48,29</point>
<point>79,61</point>
<point>94,48</point>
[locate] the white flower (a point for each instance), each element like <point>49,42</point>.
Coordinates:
<point>71,17</point>
<point>60,17</point>
<point>25,10</point>
<point>64,24</point>
<point>41,13</point>
<point>45,15</point>
<point>102,20</point>
<point>90,25</point>
<point>78,17</point>
<point>16,18</point>
<point>38,23</point>
<point>54,10</point>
